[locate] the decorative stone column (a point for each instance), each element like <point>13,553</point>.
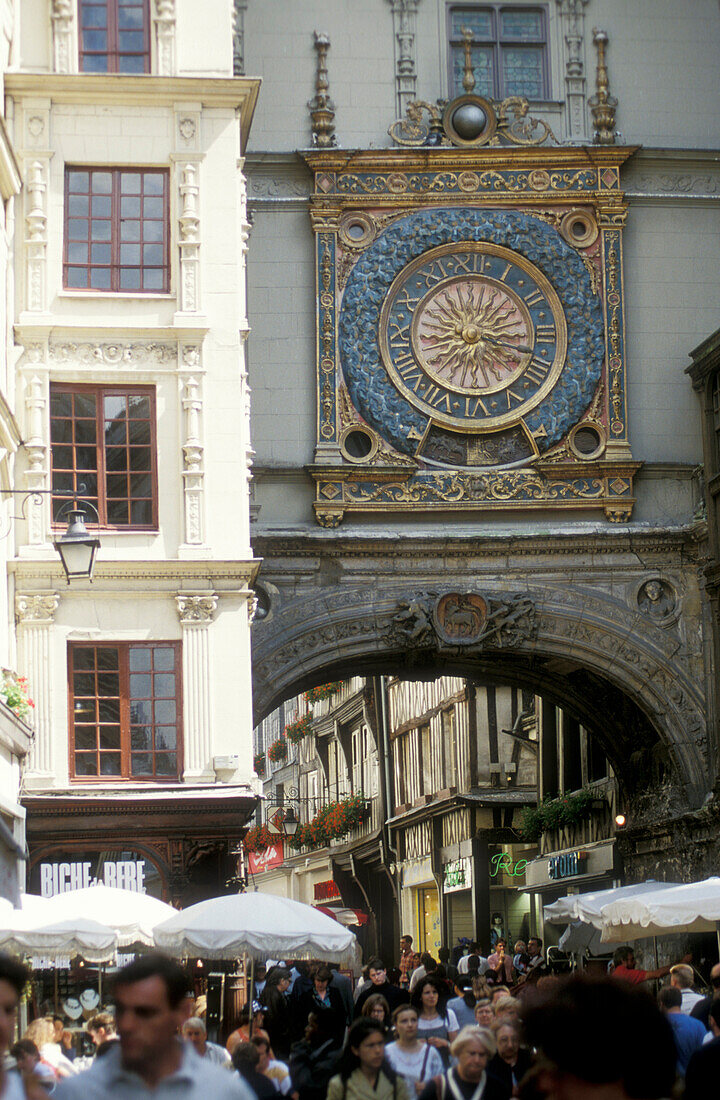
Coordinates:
<point>572,18</point>
<point>238,36</point>
<point>36,449</point>
<point>404,13</point>
<point>36,237</point>
<point>165,37</point>
<point>193,450</point>
<point>63,20</point>
<point>197,612</point>
<point>35,615</point>
<point>189,239</point>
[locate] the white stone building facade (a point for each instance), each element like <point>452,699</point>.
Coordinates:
<point>128,254</point>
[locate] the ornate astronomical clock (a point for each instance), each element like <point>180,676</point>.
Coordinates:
<point>470,320</point>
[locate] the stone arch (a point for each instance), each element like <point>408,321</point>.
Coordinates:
<point>629,680</point>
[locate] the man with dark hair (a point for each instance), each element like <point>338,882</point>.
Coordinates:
<point>377,974</point>
<point>30,1064</point>
<point>688,1033</point>
<point>13,978</point>
<point>150,1057</point>
<point>589,1035</point>
<point>625,969</point>
<point>703,1071</point>
<point>326,1002</point>
<point>101,1029</point>
<point>245,1059</point>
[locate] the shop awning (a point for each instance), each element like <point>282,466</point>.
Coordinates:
<point>586,907</point>
<point>344,915</point>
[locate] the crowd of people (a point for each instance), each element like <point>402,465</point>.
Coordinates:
<point>462,1028</point>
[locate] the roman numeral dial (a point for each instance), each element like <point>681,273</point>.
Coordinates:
<point>473,334</point>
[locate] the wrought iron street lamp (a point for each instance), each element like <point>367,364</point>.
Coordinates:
<point>77,547</point>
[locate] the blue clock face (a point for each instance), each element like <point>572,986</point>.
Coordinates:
<point>474,336</point>
<point>471,337</point>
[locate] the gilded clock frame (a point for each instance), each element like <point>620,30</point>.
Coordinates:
<point>366,191</point>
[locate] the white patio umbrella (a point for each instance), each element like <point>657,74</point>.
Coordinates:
<point>692,907</point>
<point>31,909</point>
<point>129,914</point>
<point>258,925</point>
<point>95,942</point>
<point>587,907</point>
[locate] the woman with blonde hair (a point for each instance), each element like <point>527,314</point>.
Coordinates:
<point>471,1049</point>
<point>42,1033</point>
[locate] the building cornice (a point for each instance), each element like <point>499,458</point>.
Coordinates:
<point>237,93</point>
<point>170,573</point>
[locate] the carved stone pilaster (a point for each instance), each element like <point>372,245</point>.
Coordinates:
<point>36,236</point>
<point>189,225</point>
<point>35,615</point>
<point>63,19</point>
<point>193,451</point>
<point>404,19</point>
<point>572,18</point>
<point>196,613</point>
<point>238,36</point>
<point>165,37</point>
<point>36,449</point>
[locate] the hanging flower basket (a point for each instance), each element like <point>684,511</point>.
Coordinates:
<point>554,813</point>
<point>259,763</point>
<point>296,731</point>
<point>258,839</point>
<point>15,693</point>
<point>323,691</point>
<point>278,750</point>
<point>332,822</point>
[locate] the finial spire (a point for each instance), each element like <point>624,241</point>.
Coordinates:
<point>322,108</point>
<point>468,81</point>
<point>602,104</point>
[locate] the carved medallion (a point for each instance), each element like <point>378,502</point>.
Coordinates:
<point>460,618</point>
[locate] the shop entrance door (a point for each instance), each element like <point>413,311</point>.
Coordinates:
<point>429,920</point>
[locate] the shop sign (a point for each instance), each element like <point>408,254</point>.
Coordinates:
<point>60,878</point>
<point>503,864</point>
<point>567,865</point>
<point>326,891</point>
<point>457,875</point>
<point>267,859</point>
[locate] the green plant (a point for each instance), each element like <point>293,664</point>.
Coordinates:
<point>16,692</point>
<point>323,691</point>
<point>258,839</point>
<point>554,813</point>
<point>259,763</point>
<point>278,750</point>
<point>297,730</point>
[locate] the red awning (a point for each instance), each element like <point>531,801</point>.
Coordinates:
<point>344,916</point>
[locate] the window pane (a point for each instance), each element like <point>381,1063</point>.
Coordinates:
<point>101,206</point>
<point>140,687</point>
<point>165,738</point>
<point>85,737</point>
<point>94,63</point>
<point>84,683</point>
<point>165,710</point>
<point>154,183</point>
<point>130,206</point>
<point>116,485</point>
<point>100,278</point>
<point>523,25</point>
<point>101,230</point>
<point>129,18</point>
<point>110,763</point>
<point>129,253</point>
<point>61,431</point>
<point>117,512</point>
<point>164,686</point>
<point>154,231</point>
<point>130,278</point>
<point>141,711</point>
<point>115,406</point>
<point>479,22</point>
<point>165,763</point>
<point>141,764</point>
<point>78,205</point>
<point>140,458</point>
<point>140,486</point>
<point>85,404</point>
<point>94,15</point>
<point>131,41</point>
<point>100,254</point>
<point>523,72</point>
<point>77,229</point>
<point>102,183</point>
<point>152,255</point>
<point>108,684</point>
<point>130,183</point>
<point>164,658</point>
<point>109,737</point>
<point>85,763</point>
<point>141,513</point>
<point>78,181</point>
<point>108,657</point>
<point>83,658</point>
<point>129,230</point>
<point>77,253</point>
<point>132,63</point>
<point>109,710</point>
<point>116,458</point>
<point>95,41</point>
<point>140,737</point>
<point>154,280</point>
<point>138,406</point>
<point>140,658</point>
<point>153,208</point>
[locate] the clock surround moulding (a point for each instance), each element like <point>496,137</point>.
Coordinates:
<point>470,331</point>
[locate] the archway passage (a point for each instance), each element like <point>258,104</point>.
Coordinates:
<point>628,680</point>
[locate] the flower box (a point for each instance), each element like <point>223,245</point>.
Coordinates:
<point>278,750</point>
